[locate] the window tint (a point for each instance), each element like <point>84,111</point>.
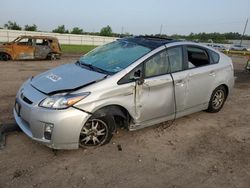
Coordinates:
<point>215,57</point>
<point>157,65</point>
<point>197,57</point>
<point>175,58</point>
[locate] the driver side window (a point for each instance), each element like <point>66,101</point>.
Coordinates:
<point>25,42</point>
<point>157,65</point>
<point>175,58</point>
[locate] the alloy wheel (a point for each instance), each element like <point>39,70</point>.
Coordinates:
<point>93,133</point>
<point>218,99</point>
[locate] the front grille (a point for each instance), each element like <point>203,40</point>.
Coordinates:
<point>25,99</point>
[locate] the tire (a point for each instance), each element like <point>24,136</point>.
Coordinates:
<point>52,56</point>
<point>4,57</point>
<point>89,134</point>
<point>217,99</point>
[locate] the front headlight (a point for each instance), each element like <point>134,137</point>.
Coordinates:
<point>62,101</point>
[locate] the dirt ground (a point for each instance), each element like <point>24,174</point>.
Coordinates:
<point>199,150</point>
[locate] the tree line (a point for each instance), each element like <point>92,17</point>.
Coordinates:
<point>107,31</point>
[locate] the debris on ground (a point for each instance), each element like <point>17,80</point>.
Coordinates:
<point>18,173</point>
<point>119,147</point>
<point>4,129</point>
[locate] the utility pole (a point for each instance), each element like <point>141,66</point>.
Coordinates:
<point>244,32</point>
<point>161,29</point>
<point>122,30</point>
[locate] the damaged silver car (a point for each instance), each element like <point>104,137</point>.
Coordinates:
<point>133,83</point>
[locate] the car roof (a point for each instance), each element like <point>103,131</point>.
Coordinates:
<point>39,37</point>
<point>149,41</point>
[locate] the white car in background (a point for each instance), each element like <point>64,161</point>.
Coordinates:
<point>237,47</point>
<point>218,47</point>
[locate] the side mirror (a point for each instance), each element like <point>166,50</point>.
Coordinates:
<point>138,77</point>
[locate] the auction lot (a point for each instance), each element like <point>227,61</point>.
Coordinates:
<point>199,150</point>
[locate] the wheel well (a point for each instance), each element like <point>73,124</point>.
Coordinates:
<point>226,87</point>
<point>120,114</point>
<point>5,53</point>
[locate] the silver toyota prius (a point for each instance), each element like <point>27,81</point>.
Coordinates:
<point>134,82</point>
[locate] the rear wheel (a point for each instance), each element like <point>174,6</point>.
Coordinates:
<point>217,99</point>
<point>53,56</point>
<point>96,132</point>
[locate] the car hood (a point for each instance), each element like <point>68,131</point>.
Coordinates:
<point>65,78</point>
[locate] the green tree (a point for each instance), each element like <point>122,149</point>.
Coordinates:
<point>77,30</point>
<point>30,27</point>
<point>106,31</point>
<point>12,25</point>
<point>60,29</point>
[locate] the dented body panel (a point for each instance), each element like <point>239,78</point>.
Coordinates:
<point>31,47</point>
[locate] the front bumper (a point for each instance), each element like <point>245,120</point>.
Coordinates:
<point>32,119</point>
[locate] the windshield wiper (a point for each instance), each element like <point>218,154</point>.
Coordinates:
<point>94,68</point>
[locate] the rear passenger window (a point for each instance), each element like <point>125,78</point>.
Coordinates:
<point>215,56</point>
<point>42,42</point>
<point>197,57</point>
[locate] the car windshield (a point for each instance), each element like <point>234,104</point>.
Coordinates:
<point>114,57</point>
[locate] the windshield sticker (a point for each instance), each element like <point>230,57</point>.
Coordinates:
<point>53,77</point>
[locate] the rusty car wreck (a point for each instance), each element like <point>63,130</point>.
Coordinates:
<point>31,47</point>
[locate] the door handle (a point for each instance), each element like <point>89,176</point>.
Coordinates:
<point>212,73</point>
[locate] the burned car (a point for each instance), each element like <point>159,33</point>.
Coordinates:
<point>31,47</point>
<point>133,83</point>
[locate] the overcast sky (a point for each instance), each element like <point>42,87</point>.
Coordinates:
<point>134,16</point>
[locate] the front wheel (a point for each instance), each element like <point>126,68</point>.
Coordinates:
<point>217,99</point>
<point>95,132</point>
<point>4,57</point>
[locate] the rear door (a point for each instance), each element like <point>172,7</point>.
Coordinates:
<point>42,48</point>
<point>201,76</point>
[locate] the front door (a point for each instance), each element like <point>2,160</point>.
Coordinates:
<point>155,97</point>
<point>23,49</point>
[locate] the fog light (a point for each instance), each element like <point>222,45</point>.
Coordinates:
<point>48,131</point>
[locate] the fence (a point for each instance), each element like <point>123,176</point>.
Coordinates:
<point>10,35</point>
